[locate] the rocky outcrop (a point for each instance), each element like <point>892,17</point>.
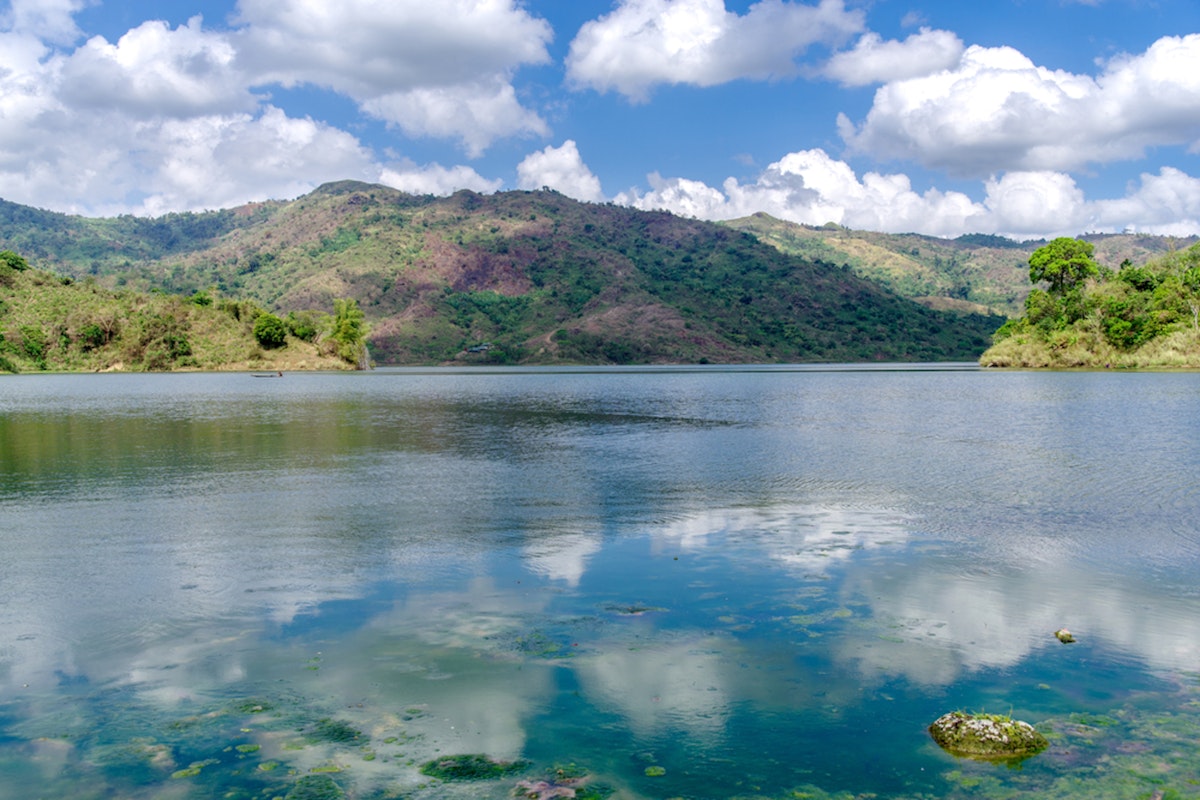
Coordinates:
<point>986,736</point>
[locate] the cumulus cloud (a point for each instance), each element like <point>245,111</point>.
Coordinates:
<point>1167,204</point>
<point>476,113</point>
<point>435,179</point>
<point>48,20</point>
<point>872,60</point>
<point>155,71</point>
<point>168,119</point>
<point>435,69</point>
<point>644,43</point>
<point>812,188</point>
<point>1026,203</point>
<point>561,169</point>
<point>997,111</point>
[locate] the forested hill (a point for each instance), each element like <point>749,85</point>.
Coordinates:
<point>974,272</point>
<point>512,277</point>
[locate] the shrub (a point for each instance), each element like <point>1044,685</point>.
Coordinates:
<point>33,342</point>
<point>91,337</point>
<point>270,331</point>
<point>10,259</point>
<point>304,325</point>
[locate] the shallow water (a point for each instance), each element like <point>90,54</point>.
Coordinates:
<point>764,581</point>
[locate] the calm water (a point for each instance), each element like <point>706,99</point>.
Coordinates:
<point>762,582</point>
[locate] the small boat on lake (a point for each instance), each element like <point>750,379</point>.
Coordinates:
<point>268,375</point>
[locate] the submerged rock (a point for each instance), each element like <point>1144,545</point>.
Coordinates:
<point>566,782</point>
<point>986,736</point>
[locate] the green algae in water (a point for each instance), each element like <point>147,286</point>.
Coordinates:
<point>336,731</point>
<point>471,767</point>
<point>315,787</point>
<point>655,772</point>
<point>194,769</point>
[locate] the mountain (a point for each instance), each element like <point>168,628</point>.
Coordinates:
<point>511,277</point>
<point>974,272</point>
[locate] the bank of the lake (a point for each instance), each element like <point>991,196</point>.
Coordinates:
<point>1089,350</point>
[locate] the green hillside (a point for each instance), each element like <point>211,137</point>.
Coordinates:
<point>512,277</point>
<point>50,322</point>
<point>975,272</point>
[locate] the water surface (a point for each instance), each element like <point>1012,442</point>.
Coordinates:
<point>763,582</point>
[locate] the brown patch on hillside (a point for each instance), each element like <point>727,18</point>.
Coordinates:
<point>471,270</point>
<point>953,304</point>
<point>657,329</point>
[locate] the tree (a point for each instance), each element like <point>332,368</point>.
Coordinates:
<point>349,331</point>
<point>1063,263</point>
<point>270,330</point>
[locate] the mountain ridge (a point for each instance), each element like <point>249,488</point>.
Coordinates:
<point>510,277</point>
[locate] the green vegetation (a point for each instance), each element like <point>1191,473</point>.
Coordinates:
<point>472,767</point>
<point>270,331</point>
<point>50,322</point>
<point>12,262</point>
<point>974,272</point>
<point>513,277</point>
<point>334,730</point>
<point>986,736</point>
<point>1089,316</point>
<point>349,332</point>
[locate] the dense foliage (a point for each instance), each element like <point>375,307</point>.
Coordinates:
<point>1087,315</point>
<point>270,331</point>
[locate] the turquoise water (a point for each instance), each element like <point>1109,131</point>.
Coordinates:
<point>762,582</point>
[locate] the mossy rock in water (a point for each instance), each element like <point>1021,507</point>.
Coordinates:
<point>471,767</point>
<point>986,736</point>
<point>315,787</point>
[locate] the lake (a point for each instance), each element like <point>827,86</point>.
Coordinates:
<point>631,583</point>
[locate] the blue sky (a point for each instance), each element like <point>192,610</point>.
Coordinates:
<point>1027,118</point>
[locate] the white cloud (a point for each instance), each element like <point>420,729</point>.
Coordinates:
<point>435,179</point>
<point>1167,203</point>
<point>811,188</point>
<point>166,120</point>
<point>476,113</point>
<point>875,61</point>
<point>49,20</point>
<point>561,169</point>
<point>154,71</point>
<point>1029,203</point>
<point>998,111</point>
<point>644,43</point>
<point>433,69</point>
